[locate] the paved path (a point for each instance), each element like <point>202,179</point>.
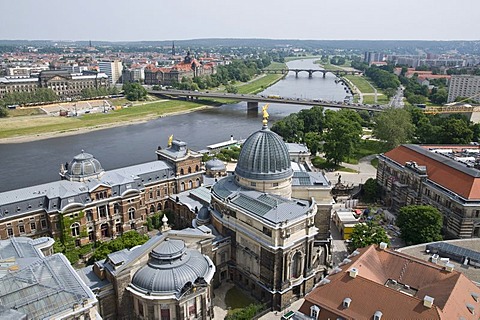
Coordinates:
<point>364,168</point>
<point>220,308</point>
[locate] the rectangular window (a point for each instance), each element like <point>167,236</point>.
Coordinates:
<point>253,184</point>
<point>10,232</point>
<point>43,224</point>
<point>21,229</point>
<point>33,226</point>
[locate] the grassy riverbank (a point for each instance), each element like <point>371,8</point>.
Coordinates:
<point>39,125</point>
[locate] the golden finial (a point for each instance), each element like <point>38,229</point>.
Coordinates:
<point>170,139</point>
<point>265,114</point>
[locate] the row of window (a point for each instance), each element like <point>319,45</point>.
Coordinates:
<point>22,230</point>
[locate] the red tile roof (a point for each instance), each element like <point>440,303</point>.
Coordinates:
<point>369,293</point>
<point>440,169</point>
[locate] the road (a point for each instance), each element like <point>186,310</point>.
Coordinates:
<point>260,98</point>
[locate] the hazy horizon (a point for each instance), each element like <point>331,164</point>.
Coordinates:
<point>153,20</point>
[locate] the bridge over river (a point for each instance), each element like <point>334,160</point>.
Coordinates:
<point>337,72</point>
<point>253,100</point>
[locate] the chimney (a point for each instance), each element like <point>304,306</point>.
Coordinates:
<point>428,301</point>
<point>346,302</point>
<point>449,267</point>
<point>353,272</point>
<point>383,245</point>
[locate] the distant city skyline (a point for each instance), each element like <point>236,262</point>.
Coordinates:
<point>110,20</point>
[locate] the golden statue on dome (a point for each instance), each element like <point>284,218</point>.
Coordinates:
<point>265,114</point>
<point>170,139</point>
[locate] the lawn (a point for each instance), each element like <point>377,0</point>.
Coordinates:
<point>370,99</point>
<point>235,298</point>
<point>259,84</point>
<point>329,66</point>
<point>322,163</point>
<point>366,148</point>
<point>20,112</point>
<point>361,83</point>
<point>287,59</point>
<point>276,66</point>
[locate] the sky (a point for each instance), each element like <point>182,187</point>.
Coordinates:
<point>136,20</point>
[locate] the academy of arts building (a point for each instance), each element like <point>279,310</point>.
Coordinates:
<point>264,226</point>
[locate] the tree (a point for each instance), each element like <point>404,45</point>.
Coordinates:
<point>370,190</point>
<point>456,131</point>
<point>416,99</point>
<point>343,134</point>
<point>440,96</point>
<point>365,234</point>
<point>420,224</point>
<point>3,112</point>
<point>393,126</point>
<point>134,91</point>
<point>312,141</point>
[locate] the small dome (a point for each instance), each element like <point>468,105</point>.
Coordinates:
<point>264,156</point>
<point>203,216</point>
<point>171,268</point>
<point>215,165</point>
<point>83,166</point>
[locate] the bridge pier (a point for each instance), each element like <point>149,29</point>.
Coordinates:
<point>324,75</point>
<point>296,74</point>
<point>252,106</point>
<point>310,74</point>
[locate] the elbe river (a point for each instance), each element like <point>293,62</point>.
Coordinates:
<point>37,162</point>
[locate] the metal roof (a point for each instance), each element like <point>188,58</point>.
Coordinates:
<point>43,287</point>
<point>270,207</point>
<point>302,178</point>
<point>264,156</point>
<point>452,251</point>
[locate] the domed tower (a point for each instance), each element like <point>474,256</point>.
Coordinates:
<point>215,168</point>
<point>174,275</point>
<point>83,167</point>
<point>264,162</point>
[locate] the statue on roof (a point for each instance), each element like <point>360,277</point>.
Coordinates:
<point>265,114</point>
<point>170,139</point>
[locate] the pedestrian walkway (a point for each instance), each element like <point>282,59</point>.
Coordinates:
<point>220,309</point>
<point>364,168</point>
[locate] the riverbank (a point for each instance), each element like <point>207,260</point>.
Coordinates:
<point>37,127</point>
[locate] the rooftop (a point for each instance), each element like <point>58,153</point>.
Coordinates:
<point>394,279</point>
<point>269,207</point>
<point>447,166</point>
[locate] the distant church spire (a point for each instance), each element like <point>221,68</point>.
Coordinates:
<point>173,48</point>
<point>90,43</point>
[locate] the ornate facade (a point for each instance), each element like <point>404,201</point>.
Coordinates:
<point>62,82</point>
<point>434,175</point>
<point>91,204</point>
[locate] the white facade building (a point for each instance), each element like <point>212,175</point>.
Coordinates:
<point>113,69</point>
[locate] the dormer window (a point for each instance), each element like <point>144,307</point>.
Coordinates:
<point>314,312</point>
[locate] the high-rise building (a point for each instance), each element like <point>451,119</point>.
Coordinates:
<point>113,69</point>
<point>467,86</point>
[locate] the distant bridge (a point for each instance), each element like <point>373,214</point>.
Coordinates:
<point>337,72</point>
<point>253,100</point>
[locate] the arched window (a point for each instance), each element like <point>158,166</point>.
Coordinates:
<point>197,168</point>
<point>159,207</point>
<point>190,184</point>
<point>152,209</point>
<point>75,228</point>
<point>89,215</point>
<point>131,213</point>
<point>296,266</point>
<point>181,171</point>
<point>182,186</point>
<point>197,182</point>
<point>189,169</point>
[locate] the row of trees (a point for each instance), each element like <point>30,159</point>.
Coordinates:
<point>100,92</point>
<point>39,95</point>
<point>397,126</point>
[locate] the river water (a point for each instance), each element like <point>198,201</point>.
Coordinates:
<point>36,162</point>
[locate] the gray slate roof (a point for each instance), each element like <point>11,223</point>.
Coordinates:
<point>303,178</point>
<point>269,207</point>
<point>54,196</point>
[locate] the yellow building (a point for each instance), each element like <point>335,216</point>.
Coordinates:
<point>345,221</point>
